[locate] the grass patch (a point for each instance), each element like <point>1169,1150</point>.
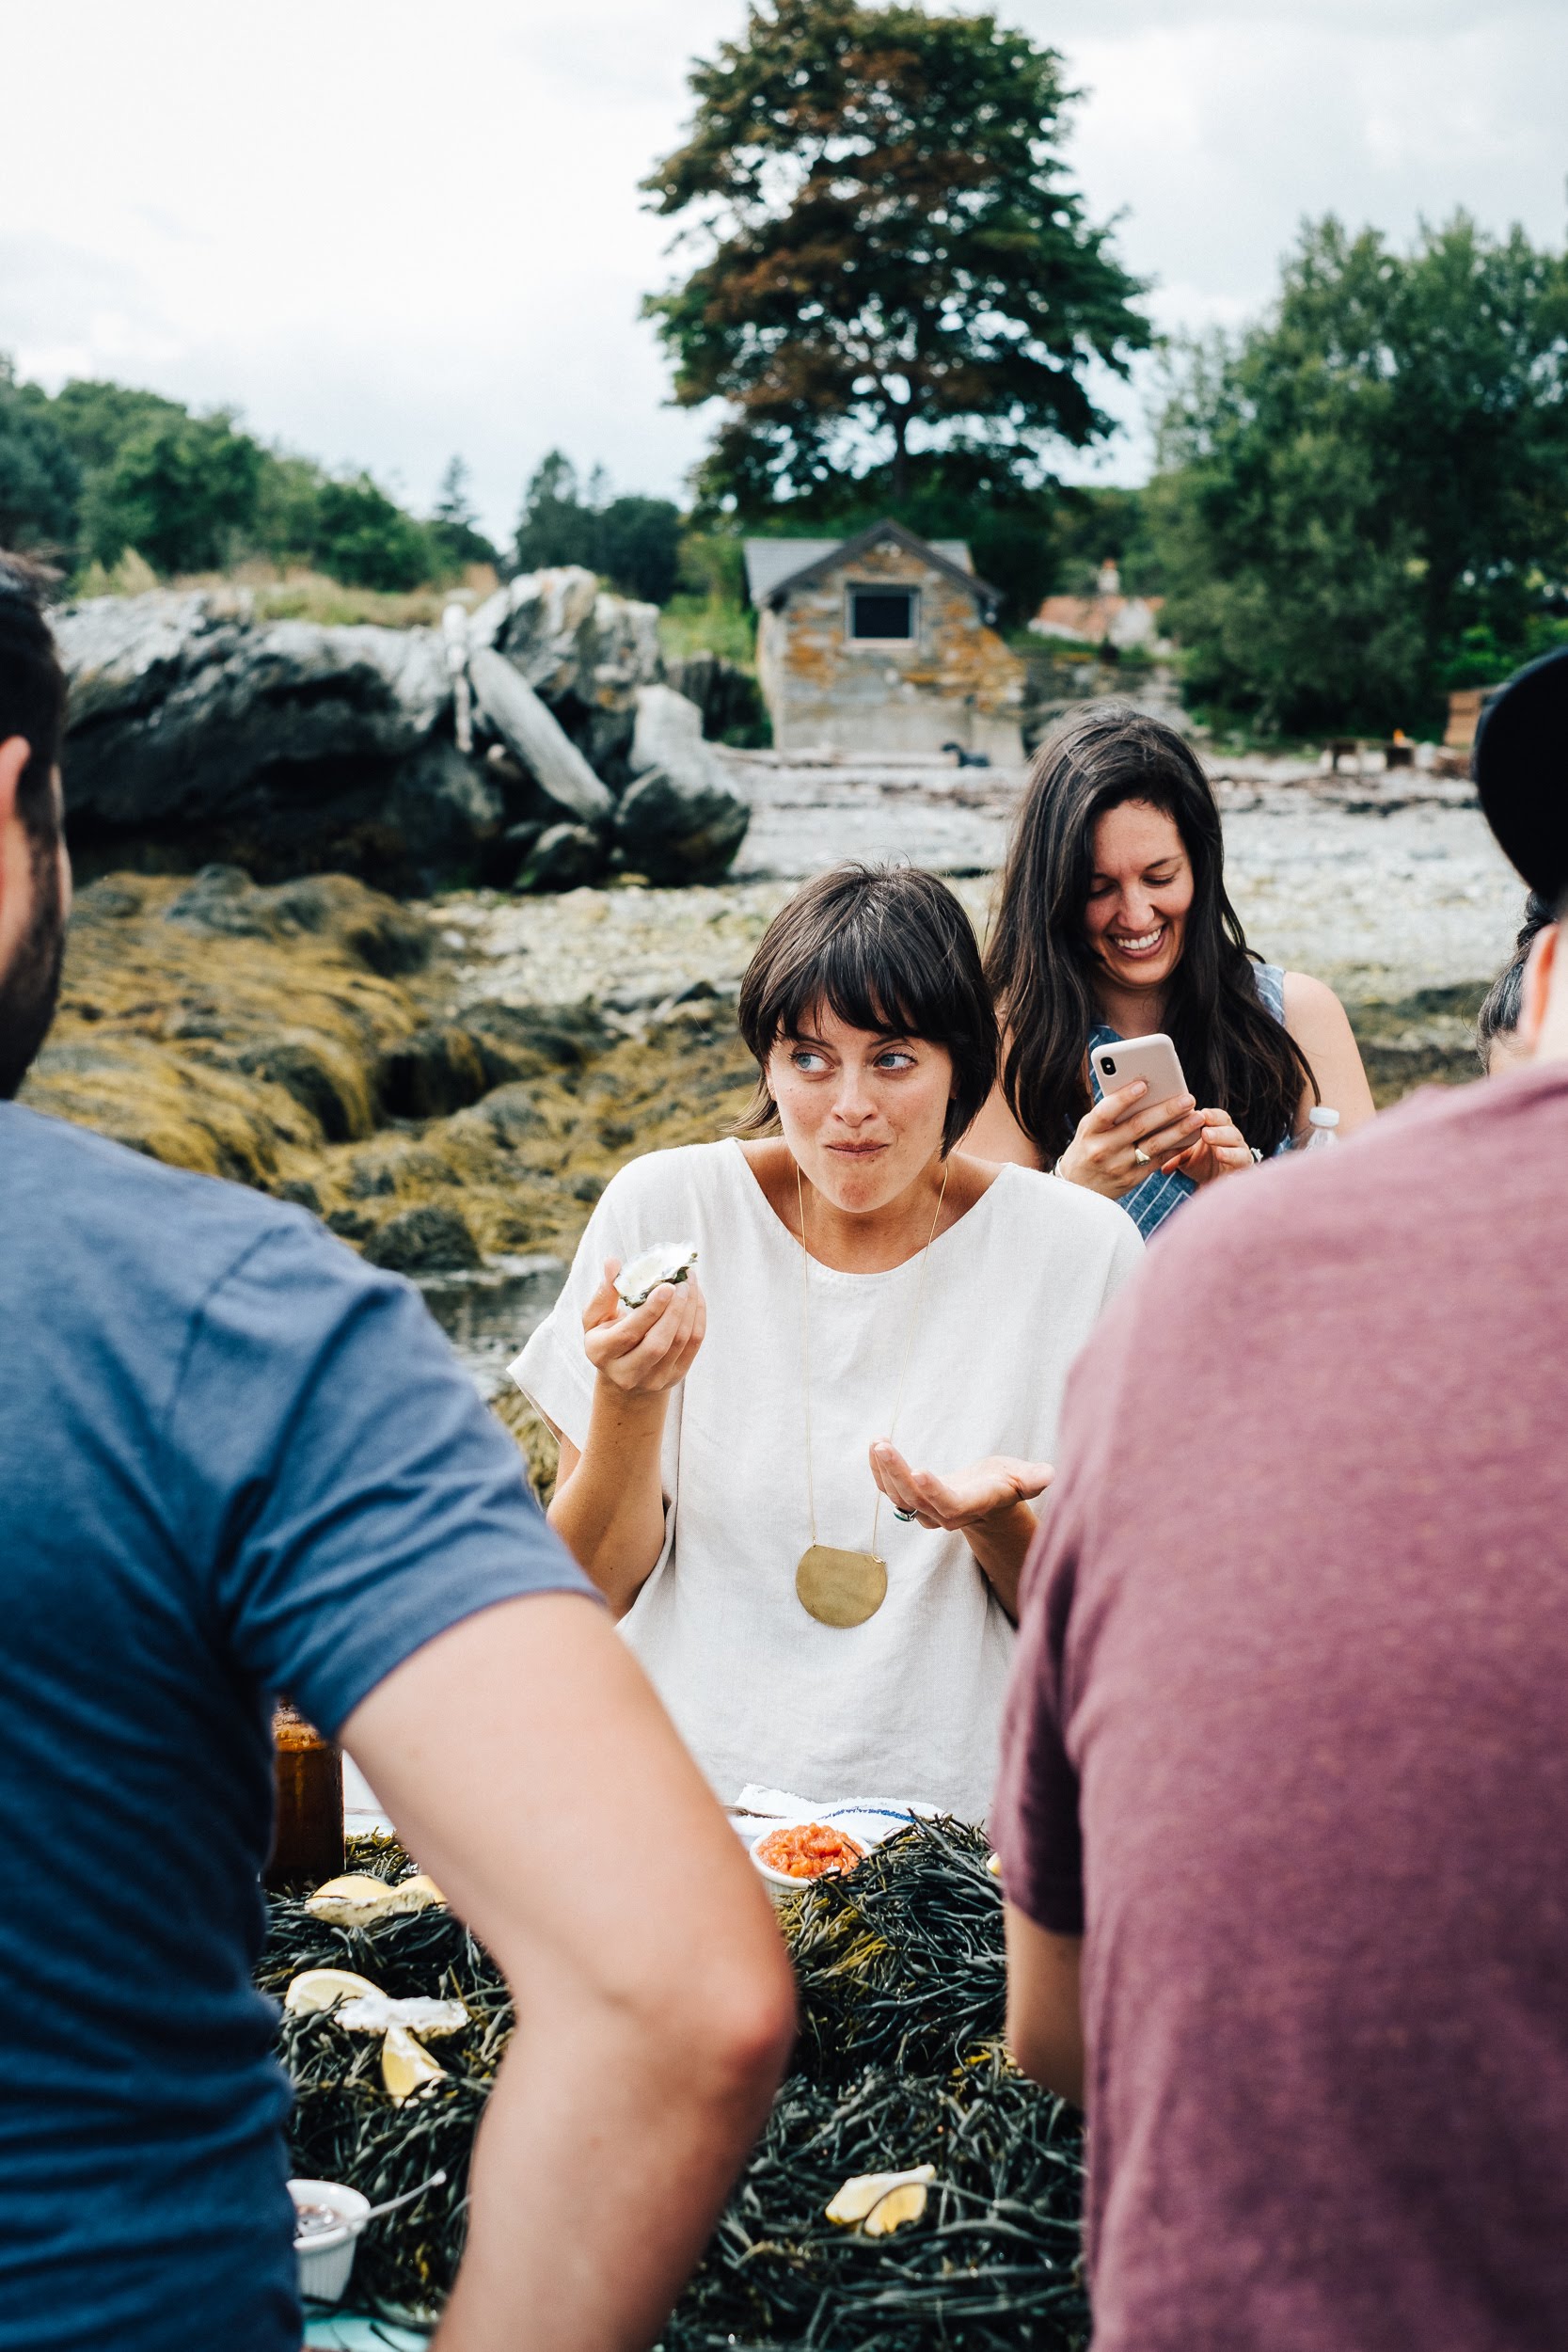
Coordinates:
<point>271,595</point>
<point>689,625</point>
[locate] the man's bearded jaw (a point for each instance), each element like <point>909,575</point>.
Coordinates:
<point>30,988</point>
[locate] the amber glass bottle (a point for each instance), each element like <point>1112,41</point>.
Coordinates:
<point>308,1842</point>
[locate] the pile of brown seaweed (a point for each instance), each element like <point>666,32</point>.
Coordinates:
<point>899,2063</point>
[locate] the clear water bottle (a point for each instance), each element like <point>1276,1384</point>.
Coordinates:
<point>1322,1130</point>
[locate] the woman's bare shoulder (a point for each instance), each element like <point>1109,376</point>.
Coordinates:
<point>1312,1005</point>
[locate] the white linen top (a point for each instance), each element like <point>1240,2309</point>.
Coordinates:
<point>909,1702</point>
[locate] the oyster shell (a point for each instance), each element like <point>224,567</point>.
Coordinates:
<point>667,1262</point>
<point>426,2019</point>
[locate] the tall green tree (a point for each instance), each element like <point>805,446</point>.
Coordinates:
<point>454,525</point>
<point>183,491</point>
<point>40,484</point>
<point>1363,499</point>
<point>556,524</point>
<point>96,417</point>
<point>894,265</point>
<point>633,542</point>
<point>364,537</point>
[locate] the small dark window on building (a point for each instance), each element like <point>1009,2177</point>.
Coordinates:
<point>881,613</point>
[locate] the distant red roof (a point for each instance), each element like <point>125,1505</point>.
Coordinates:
<point>1089,617</point>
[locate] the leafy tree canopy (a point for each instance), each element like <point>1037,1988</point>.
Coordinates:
<point>40,481</point>
<point>96,419</point>
<point>632,542</point>
<point>99,467</point>
<point>894,267</point>
<point>181,490</point>
<point>365,538</point>
<point>1363,500</point>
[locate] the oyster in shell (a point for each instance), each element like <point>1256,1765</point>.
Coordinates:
<point>667,1262</point>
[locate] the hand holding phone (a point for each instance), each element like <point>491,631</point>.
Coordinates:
<point>1153,1058</point>
<point>1145,1120</point>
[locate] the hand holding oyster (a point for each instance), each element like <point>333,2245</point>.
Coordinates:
<point>644,1325</point>
<point>667,1262</point>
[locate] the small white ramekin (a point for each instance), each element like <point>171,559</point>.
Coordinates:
<point>326,2261</point>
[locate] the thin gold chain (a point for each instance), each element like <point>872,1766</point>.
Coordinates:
<point>909,1342</point>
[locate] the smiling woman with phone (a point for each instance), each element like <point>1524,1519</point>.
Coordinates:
<point>1147,1051</point>
<point>802,1471</point>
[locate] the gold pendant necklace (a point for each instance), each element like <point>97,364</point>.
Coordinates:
<point>834,1587</point>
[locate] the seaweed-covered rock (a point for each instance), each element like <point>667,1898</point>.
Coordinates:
<point>432,1238</point>
<point>429,1075</point>
<point>325,1077</point>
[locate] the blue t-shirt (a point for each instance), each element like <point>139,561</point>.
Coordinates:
<point>234,1460</point>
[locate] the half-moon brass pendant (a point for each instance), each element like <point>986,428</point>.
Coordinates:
<point>840,1587</point>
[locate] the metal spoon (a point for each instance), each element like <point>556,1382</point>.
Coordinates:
<point>437,2180</point>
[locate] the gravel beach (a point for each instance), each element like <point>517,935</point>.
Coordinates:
<point>1384,893</point>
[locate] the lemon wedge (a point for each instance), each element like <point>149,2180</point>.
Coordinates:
<point>864,2197</point>
<point>323,1988</point>
<point>407,2068</point>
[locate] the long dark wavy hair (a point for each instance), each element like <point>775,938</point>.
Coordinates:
<point>1043,971</point>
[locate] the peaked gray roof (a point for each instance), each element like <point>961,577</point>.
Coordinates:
<point>775,564</point>
<point>769,560</point>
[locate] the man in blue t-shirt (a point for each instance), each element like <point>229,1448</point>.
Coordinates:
<point>235,1460</point>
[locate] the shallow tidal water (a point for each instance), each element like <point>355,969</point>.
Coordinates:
<point>489,1315</point>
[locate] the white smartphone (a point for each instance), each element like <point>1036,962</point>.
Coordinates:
<point>1153,1059</point>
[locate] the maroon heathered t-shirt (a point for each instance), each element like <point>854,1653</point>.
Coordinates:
<point>1294,1666</point>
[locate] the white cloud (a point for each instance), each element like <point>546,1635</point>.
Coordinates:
<point>387,233</point>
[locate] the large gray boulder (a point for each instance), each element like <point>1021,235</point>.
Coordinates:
<point>679,821</point>
<point>584,652</point>
<point>178,701</point>
<point>535,738</point>
<point>196,735</point>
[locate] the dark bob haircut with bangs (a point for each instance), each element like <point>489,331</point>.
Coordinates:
<point>886,948</point>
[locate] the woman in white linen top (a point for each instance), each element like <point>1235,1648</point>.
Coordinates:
<point>682,1487</point>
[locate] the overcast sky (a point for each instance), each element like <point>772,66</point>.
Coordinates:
<point>390,232</point>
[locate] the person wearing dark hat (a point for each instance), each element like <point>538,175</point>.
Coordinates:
<point>1284,1792</point>
<point>1499,1046</point>
<point>235,1459</point>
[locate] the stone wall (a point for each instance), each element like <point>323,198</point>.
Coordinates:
<point>954,682</point>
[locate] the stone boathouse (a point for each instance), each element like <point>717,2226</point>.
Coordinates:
<point>883,642</point>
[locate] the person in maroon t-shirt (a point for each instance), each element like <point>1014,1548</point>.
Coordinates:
<point>1283,1814</point>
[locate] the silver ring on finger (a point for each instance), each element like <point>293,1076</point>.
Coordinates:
<point>905,1515</point>
<point>1141,1156</point>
